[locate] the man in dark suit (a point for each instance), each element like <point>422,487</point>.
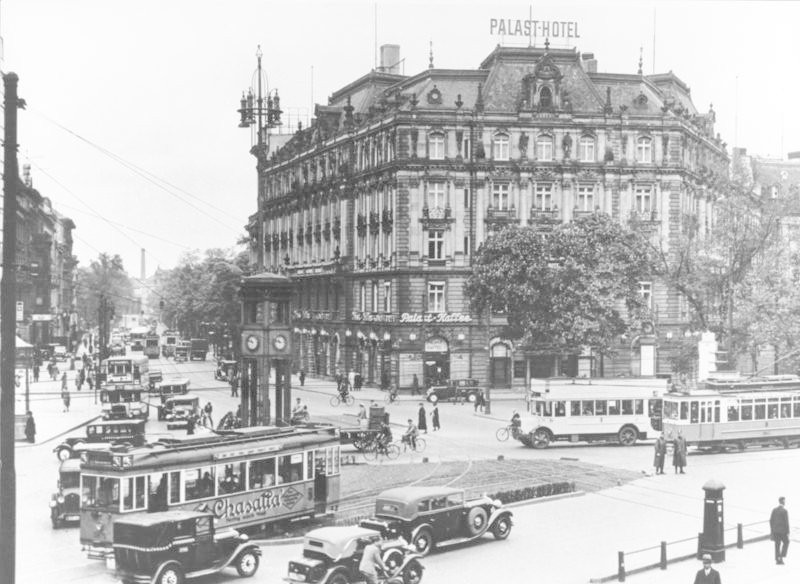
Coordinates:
<point>707,575</point>
<point>779,530</point>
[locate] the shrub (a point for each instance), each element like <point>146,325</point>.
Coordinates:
<point>534,492</point>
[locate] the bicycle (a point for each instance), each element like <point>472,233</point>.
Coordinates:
<point>503,433</point>
<point>419,444</point>
<point>391,396</point>
<point>342,397</point>
<point>378,449</point>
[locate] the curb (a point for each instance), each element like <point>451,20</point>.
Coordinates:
<point>296,540</point>
<point>57,436</point>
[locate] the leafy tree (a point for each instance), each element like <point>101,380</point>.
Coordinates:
<point>564,290</point>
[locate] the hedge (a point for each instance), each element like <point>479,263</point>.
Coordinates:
<point>525,493</point>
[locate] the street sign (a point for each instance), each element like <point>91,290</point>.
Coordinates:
<point>41,317</point>
<point>20,311</point>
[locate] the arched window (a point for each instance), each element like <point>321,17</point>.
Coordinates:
<point>500,146</point>
<point>545,98</point>
<point>586,149</point>
<point>644,150</point>
<point>436,146</point>
<point>544,148</point>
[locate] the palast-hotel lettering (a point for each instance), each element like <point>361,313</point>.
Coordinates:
<point>376,209</point>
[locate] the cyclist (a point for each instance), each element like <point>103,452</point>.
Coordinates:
<point>392,393</point>
<point>385,436</point>
<point>516,423</point>
<point>410,435</point>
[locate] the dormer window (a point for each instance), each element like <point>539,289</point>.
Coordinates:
<point>644,150</point>
<point>501,147</point>
<point>545,98</point>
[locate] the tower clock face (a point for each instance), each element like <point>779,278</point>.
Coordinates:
<point>279,342</point>
<point>252,342</point>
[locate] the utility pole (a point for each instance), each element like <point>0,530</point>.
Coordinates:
<point>8,334</point>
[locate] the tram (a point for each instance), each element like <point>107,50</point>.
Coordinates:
<point>249,477</point>
<point>736,413</point>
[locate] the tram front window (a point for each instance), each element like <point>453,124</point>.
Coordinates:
<point>100,492</point>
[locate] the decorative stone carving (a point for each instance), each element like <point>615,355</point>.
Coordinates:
<point>566,146</point>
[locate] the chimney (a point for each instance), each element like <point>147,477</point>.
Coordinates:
<point>589,62</point>
<point>143,272</point>
<point>390,59</point>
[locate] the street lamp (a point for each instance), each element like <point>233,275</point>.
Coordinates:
<point>262,109</point>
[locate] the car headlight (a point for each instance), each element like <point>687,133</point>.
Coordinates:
<point>60,499</point>
<point>52,503</point>
<point>497,503</point>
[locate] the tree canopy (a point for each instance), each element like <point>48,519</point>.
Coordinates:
<point>105,276</point>
<point>570,288</point>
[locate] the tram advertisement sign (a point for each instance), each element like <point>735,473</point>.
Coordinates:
<point>553,29</point>
<point>263,505</point>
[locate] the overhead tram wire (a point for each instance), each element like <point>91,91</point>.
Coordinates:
<point>148,176</point>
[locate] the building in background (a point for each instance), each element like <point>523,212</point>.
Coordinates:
<point>377,208</point>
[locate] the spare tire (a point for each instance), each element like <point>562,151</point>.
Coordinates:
<point>476,520</point>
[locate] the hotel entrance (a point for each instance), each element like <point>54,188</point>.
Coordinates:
<point>436,361</point>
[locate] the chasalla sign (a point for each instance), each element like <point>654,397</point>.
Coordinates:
<point>238,508</point>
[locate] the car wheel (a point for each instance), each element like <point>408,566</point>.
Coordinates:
<point>64,453</point>
<point>540,438</point>
<point>476,520</point>
<point>56,522</point>
<point>412,573</point>
<point>338,578</point>
<point>172,574</point>
<point>502,527</point>
<point>393,559</point>
<point>247,563</point>
<point>423,541</point>
<point>433,398</point>
<point>628,436</point>
<point>472,398</point>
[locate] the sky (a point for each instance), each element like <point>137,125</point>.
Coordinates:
<point>131,126</point>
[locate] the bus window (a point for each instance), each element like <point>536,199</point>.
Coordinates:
<point>262,473</point>
<point>761,409</point>
<point>230,478</point>
<point>575,408</point>
<point>290,468</point>
<point>670,410</point>
<point>587,407</point>
<point>613,407</point>
<point>198,483</point>
<point>627,407</point>
<point>638,407</point>
<point>600,407</point>
<point>684,410</point>
<point>561,409</point>
<point>747,410</point>
<point>543,408</point>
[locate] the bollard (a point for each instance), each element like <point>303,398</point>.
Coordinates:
<point>424,459</point>
<point>663,555</point>
<point>739,536</point>
<point>620,566</point>
<point>500,457</point>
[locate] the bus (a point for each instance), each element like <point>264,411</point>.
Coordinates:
<point>168,342</point>
<point>621,410</point>
<point>123,380</point>
<point>748,415</point>
<point>152,347</point>
<point>250,477</point>
<point>121,369</point>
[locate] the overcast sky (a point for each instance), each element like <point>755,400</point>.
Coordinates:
<point>131,125</point>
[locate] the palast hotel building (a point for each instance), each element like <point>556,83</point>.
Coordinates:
<point>377,209</point>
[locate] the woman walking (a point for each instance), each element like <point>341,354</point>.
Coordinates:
<point>435,417</point>
<point>422,422</point>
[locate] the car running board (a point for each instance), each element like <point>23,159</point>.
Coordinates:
<point>458,540</point>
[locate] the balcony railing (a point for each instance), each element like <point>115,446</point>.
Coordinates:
<point>639,216</point>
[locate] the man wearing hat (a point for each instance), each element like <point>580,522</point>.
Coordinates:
<point>707,575</point>
<point>779,530</point>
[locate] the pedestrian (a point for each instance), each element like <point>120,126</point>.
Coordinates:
<point>207,409</point>
<point>435,417</point>
<point>30,427</point>
<point>660,454</point>
<point>707,575</point>
<point>64,381</point>
<point>480,401</point>
<point>81,378</point>
<point>351,379</point>
<point>36,373</point>
<point>779,530</point>
<point>371,563</point>
<point>415,385</point>
<point>362,416</point>
<point>78,382</point>
<point>302,377</point>
<point>422,422</point>
<point>190,424</point>
<point>679,453</point>
<point>65,398</point>
<point>385,380</point>
<point>234,385</point>
<point>90,379</point>
<point>358,381</point>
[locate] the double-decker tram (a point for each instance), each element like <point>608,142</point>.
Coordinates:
<point>621,410</point>
<point>736,413</point>
<point>250,477</point>
<point>121,370</point>
<point>123,381</point>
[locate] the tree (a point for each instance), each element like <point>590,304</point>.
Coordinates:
<point>564,290</point>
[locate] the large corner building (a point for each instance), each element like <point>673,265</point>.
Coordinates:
<point>377,209</point>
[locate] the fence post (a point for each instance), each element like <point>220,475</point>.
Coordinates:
<point>739,536</point>
<point>620,566</point>
<point>663,555</point>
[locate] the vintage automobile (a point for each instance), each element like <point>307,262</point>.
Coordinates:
<point>117,350</point>
<point>65,505</point>
<point>458,390</point>
<point>177,409</point>
<point>182,350</point>
<point>169,547</point>
<point>435,517</point>
<point>224,369</point>
<point>156,377</point>
<point>331,556</point>
<point>101,435</point>
<point>174,387</point>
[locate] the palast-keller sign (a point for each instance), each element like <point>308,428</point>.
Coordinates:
<point>435,318</point>
<point>554,29</point>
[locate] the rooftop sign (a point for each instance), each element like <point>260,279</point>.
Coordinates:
<point>534,28</point>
